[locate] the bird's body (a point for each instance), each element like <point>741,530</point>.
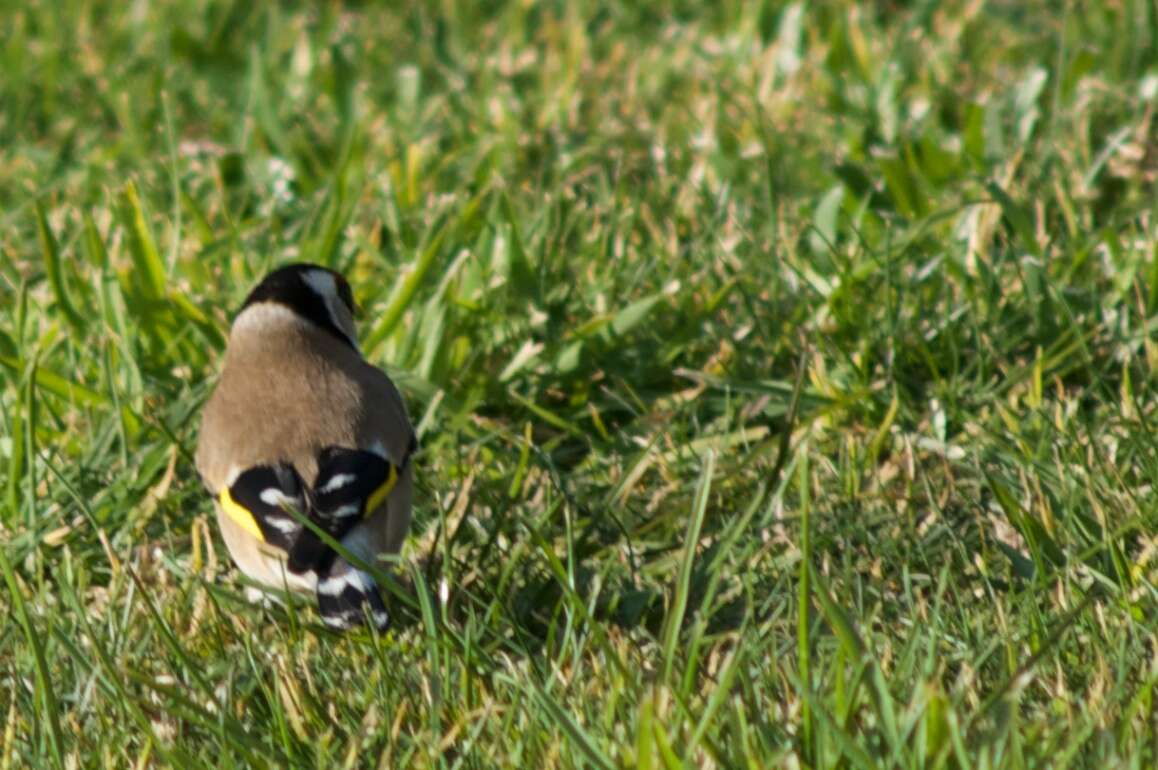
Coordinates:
<point>291,388</point>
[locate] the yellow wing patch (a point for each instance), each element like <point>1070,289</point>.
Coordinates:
<point>240,515</point>
<point>379,494</point>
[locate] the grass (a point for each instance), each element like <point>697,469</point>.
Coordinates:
<point>785,375</point>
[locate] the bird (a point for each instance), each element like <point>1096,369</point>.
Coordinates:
<point>300,426</point>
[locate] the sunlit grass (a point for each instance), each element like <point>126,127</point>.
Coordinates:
<point>784,375</point>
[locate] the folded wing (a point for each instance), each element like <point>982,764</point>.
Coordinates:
<point>260,501</point>
<point>351,484</point>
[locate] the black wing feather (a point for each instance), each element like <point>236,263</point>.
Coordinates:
<point>266,492</point>
<point>349,485</point>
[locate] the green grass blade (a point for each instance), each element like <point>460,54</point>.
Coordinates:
<point>674,620</point>
<point>580,740</point>
<point>148,267</point>
<point>803,602</point>
<point>50,252</point>
<point>856,649</point>
<point>44,682</point>
<point>406,291</point>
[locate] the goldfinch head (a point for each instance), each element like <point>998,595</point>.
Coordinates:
<point>312,292</point>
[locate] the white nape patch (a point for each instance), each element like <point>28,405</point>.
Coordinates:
<point>275,497</point>
<point>378,448</point>
<point>339,481</point>
<point>381,618</point>
<point>346,511</point>
<point>262,315</point>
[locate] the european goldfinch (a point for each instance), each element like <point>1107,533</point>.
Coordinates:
<point>300,422</point>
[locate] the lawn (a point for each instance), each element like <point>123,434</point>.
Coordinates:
<point>785,375</point>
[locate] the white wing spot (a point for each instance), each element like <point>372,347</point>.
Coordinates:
<point>347,510</point>
<point>284,526</point>
<point>275,497</point>
<point>364,581</point>
<point>356,579</point>
<point>339,481</point>
<point>332,586</point>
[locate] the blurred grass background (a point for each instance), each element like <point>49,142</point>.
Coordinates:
<point>785,376</point>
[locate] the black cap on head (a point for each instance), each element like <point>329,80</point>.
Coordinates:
<point>310,291</point>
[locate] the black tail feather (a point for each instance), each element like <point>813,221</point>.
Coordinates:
<point>309,552</point>
<point>348,597</point>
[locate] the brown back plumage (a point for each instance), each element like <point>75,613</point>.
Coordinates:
<point>287,389</point>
